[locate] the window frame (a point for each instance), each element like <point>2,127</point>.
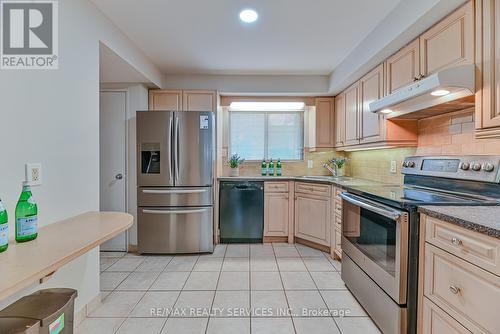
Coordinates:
<point>266,114</point>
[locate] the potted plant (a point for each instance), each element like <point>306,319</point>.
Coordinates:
<point>234,162</point>
<point>339,164</point>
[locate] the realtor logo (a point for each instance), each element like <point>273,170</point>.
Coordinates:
<point>29,34</point>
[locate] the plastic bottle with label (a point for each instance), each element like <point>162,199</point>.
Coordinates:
<point>4,228</point>
<point>26,216</point>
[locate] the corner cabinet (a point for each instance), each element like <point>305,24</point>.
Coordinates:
<point>179,100</point>
<point>488,67</point>
<point>325,121</point>
<point>340,120</point>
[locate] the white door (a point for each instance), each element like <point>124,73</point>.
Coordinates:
<point>112,139</point>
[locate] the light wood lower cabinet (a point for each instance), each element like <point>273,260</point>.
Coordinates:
<point>460,291</point>
<point>278,212</point>
<point>336,226</point>
<point>313,218</point>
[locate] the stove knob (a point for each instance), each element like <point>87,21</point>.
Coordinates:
<point>405,163</point>
<point>411,164</point>
<point>488,167</point>
<point>476,167</point>
<point>465,166</point>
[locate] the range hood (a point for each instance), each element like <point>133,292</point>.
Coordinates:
<point>447,90</point>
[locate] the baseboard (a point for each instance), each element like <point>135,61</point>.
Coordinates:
<point>132,248</point>
<point>275,239</point>
<point>82,314</point>
<point>312,245</point>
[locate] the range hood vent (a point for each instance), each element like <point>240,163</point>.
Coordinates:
<point>445,91</point>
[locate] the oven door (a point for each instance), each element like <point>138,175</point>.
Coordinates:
<point>375,237</point>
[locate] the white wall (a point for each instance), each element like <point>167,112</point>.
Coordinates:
<point>52,117</point>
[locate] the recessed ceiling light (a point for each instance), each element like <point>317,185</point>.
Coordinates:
<point>386,111</point>
<point>249,15</point>
<point>440,92</point>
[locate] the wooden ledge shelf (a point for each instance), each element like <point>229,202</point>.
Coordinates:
<point>57,244</point>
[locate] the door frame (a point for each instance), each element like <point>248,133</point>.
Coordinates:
<point>127,153</point>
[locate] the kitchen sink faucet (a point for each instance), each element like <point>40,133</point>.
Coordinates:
<point>334,171</point>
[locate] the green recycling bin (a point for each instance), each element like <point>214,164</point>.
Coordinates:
<point>49,311</point>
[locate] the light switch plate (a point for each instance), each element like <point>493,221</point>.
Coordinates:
<point>34,173</point>
<point>394,167</point>
<point>310,164</point>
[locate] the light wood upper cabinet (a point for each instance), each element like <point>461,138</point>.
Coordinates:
<point>276,214</point>
<point>488,65</point>
<point>160,99</point>
<point>371,88</point>
<point>325,122</point>
<point>340,120</point>
<point>313,218</point>
<point>351,96</point>
<point>402,68</point>
<point>450,42</point>
<point>199,100</point>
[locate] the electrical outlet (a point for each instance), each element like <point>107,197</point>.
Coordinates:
<point>310,164</point>
<point>34,173</point>
<point>394,169</point>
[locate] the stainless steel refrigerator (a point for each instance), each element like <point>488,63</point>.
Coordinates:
<point>175,168</point>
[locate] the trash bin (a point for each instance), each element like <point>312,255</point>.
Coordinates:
<point>47,311</point>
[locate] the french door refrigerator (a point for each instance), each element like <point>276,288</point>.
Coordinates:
<point>175,167</point>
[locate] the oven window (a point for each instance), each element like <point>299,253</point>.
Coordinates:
<point>376,238</point>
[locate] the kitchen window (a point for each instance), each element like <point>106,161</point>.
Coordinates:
<point>267,134</point>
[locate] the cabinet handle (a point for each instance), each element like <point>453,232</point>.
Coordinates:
<point>456,241</point>
<point>454,289</point>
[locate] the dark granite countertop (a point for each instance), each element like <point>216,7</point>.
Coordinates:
<point>482,219</point>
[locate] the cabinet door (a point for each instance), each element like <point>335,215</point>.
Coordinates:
<point>160,99</point>
<point>436,321</point>
<point>450,42</point>
<point>276,214</point>
<point>312,218</point>
<point>403,67</point>
<point>198,100</point>
<point>371,88</point>
<point>325,123</point>
<point>340,120</point>
<point>351,115</point>
<point>488,62</point>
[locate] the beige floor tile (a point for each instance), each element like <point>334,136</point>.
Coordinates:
<point>286,252</point>
<point>328,280</point>
<point>208,264</point>
<point>308,252</point>
<point>306,304</point>
<point>106,262</point>
<point>357,325</point>
<point>154,263</point>
<point>193,304</point>
<point>118,304</point>
<point>234,250</point>
<point>315,326</point>
<point>141,326</point>
<point>230,280</point>
<point>269,304</point>
<point>291,264</point>
<point>336,264</point>
<point>155,304</point>
<point>236,264</point>
<point>219,250</point>
<point>202,280</point>
<point>263,264</point>
<point>170,281</point>
<point>297,281</point>
<point>182,263</point>
<point>272,326</point>
<point>262,280</point>
<point>185,326</point>
<point>228,326</point>
<point>318,264</point>
<point>110,280</point>
<point>343,301</point>
<point>282,244</point>
<point>111,254</point>
<point>99,326</point>
<point>126,264</point>
<point>138,281</point>
<point>231,304</point>
<point>261,251</point>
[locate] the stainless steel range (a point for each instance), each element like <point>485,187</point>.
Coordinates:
<point>380,232</point>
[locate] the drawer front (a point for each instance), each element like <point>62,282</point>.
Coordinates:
<point>462,290</point>
<point>338,222</point>
<point>338,208</point>
<point>313,189</point>
<point>474,247</point>
<point>436,321</point>
<point>338,191</point>
<point>276,187</point>
<point>338,239</point>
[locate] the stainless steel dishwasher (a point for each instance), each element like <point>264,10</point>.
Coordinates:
<point>241,211</point>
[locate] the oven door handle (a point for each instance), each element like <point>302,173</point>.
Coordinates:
<point>382,210</point>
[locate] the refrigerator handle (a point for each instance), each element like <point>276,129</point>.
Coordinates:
<point>170,138</point>
<point>176,148</point>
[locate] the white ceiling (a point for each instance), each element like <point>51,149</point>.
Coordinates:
<point>206,36</point>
